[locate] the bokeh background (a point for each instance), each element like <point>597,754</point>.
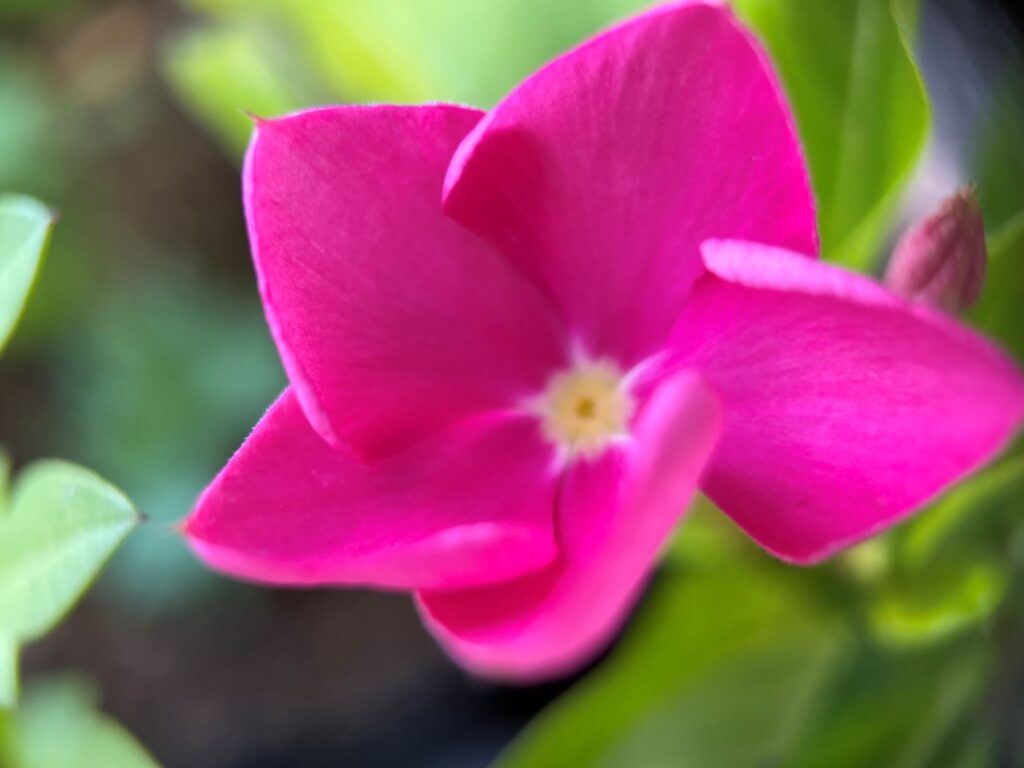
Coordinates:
<point>145,355</point>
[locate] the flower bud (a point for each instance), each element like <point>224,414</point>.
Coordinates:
<point>941,259</point>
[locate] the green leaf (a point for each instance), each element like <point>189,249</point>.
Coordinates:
<point>741,713</point>
<point>997,312</point>
<point>716,664</point>
<point>894,710</point>
<point>999,162</point>
<point>64,523</point>
<point>932,604</point>
<point>861,110</point>
<point>58,726</point>
<point>8,671</point>
<point>973,505</point>
<point>25,227</point>
<point>5,479</point>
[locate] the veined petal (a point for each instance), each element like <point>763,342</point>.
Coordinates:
<point>472,506</point>
<point>846,408</point>
<point>600,175</point>
<point>392,321</point>
<point>614,514</point>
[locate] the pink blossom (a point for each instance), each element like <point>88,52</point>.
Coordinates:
<point>518,341</point>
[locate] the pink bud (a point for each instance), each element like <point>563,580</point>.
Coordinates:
<point>941,259</point>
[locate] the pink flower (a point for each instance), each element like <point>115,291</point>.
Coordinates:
<point>517,341</point>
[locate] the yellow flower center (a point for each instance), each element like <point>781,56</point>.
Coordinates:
<point>585,408</point>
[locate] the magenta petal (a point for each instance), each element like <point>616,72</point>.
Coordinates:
<point>601,175</point>
<point>614,514</point>
<point>846,408</point>
<point>392,320</point>
<point>472,506</point>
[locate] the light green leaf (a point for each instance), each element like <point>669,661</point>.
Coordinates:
<point>861,110</point>
<point>690,665</point>
<point>58,726</point>
<point>64,523</point>
<point>8,671</point>
<point>25,227</point>
<point>5,479</point>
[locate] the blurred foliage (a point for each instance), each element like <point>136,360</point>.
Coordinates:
<point>998,312</point>
<point>999,157</point>
<point>58,726</point>
<point>860,106</point>
<point>25,227</point>
<point>205,357</point>
<point>745,669</point>
<point>58,526</point>
<point>273,56</point>
<point>318,51</point>
<point>28,110</point>
<point>717,669</point>
<point>887,656</point>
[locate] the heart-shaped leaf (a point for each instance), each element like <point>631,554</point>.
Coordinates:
<point>64,522</point>
<point>25,227</point>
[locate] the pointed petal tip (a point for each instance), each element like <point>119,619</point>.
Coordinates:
<point>256,120</point>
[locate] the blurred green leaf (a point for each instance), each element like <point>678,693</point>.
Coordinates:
<point>716,670</point>
<point>26,131</point>
<point>58,726</point>
<point>63,524</point>
<point>222,72</point>
<point>998,311</point>
<point>25,227</point>
<point>861,109</point>
<point>5,479</point>
<point>931,604</point>
<point>707,537</point>
<point>999,165</point>
<point>970,506</point>
<point>8,671</point>
<point>740,713</point>
<point>463,51</point>
<point>893,710</point>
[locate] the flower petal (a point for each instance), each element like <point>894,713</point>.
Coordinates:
<point>614,514</point>
<point>474,505</point>
<point>846,408</point>
<point>601,175</point>
<point>392,320</point>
